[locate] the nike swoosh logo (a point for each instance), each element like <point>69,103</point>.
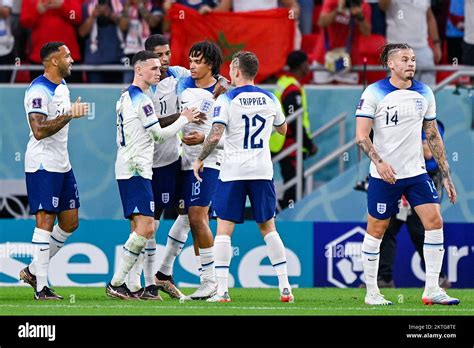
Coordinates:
<point>435,197</point>
<point>152,254</point>
<point>388,107</point>
<point>183,102</point>
<point>194,199</point>
<point>161,97</point>
<point>44,249</point>
<point>372,259</point>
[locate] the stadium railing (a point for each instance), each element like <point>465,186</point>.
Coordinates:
<point>125,67</point>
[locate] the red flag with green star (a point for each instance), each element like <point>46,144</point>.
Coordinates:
<point>269,34</point>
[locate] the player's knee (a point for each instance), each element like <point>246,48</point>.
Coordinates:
<point>377,230</point>
<point>435,223</point>
<point>70,226</point>
<point>45,221</point>
<point>196,222</point>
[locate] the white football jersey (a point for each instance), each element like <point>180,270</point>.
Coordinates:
<point>249,114</point>
<point>191,96</point>
<point>165,100</point>
<point>135,113</point>
<point>52,100</point>
<point>398,116</point>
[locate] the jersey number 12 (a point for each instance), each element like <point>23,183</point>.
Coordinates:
<point>255,123</point>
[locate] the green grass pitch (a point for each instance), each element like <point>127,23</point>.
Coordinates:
<point>308,301</point>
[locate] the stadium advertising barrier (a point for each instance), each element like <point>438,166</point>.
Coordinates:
<point>337,256</point>
<point>319,254</point>
<point>89,257</point>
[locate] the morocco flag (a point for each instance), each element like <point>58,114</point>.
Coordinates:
<point>268,34</point>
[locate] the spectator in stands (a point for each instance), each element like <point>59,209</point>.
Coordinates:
<point>377,19</point>
<point>256,5</point>
<point>306,16</point>
<point>455,31</point>
<point>402,18</point>
<point>138,19</point>
<point>292,97</point>
<point>6,39</point>
<point>468,43</point>
<point>104,38</point>
<point>20,34</point>
<point>52,20</point>
<point>342,23</point>
<point>203,6</point>
<point>414,225</point>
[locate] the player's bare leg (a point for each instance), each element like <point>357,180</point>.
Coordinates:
<point>277,256</point>
<point>370,259</point>
<point>144,229</point>
<point>199,222</point>
<point>223,256</point>
<point>433,251</point>
<point>177,237</point>
<point>51,238</point>
<point>133,281</point>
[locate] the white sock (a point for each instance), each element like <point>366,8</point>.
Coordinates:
<point>198,266</point>
<point>370,260</point>
<point>131,251</point>
<point>174,245</point>
<point>40,257</point>
<point>277,256</point>
<point>433,252</point>
<point>57,239</point>
<point>149,264</point>
<point>207,263</point>
<point>134,279</point>
<point>223,251</point>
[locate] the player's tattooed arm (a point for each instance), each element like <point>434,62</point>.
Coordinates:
<point>367,146</point>
<point>436,145</point>
<point>212,140</point>
<point>385,170</point>
<point>435,142</point>
<point>43,128</point>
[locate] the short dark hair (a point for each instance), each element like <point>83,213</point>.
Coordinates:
<point>155,40</point>
<point>49,48</point>
<point>388,49</point>
<point>295,59</point>
<point>143,56</point>
<point>210,52</point>
<point>248,63</point>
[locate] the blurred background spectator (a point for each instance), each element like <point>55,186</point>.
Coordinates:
<point>203,6</point>
<point>342,23</point>
<point>104,39</point>
<point>292,97</point>
<point>455,31</point>
<point>6,39</point>
<point>140,19</point>
<point>468,43</point>
<point>402,17</point>
<point>52,20</point>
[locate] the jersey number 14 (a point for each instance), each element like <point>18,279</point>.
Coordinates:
<point>391,118</point>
